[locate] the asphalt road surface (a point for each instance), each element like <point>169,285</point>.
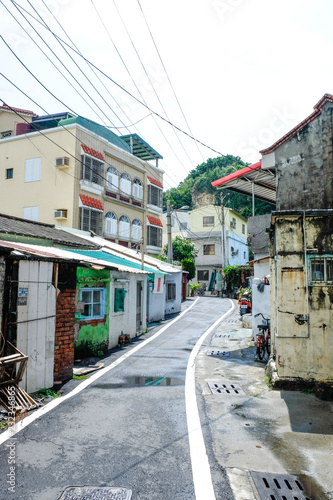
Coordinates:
<point>128,427</point>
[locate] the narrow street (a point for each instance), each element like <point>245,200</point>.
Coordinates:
<point>128,428</point>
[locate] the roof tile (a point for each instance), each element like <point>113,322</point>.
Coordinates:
<point>155,182</point>
<point>92,152</point>
<point>88,201</point>
<point>154,221</point>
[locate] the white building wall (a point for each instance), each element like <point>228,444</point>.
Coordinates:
<point>260,300</point>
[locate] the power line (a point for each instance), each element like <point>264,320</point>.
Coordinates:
<point>126,91</point>
<point>129,73</point>
<point>167,75</point>
<point>61,62</point>
<point>147,75</point>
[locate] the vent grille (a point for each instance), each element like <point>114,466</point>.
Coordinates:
<point>60,214</point>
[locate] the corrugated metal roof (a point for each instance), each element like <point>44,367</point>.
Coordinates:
<point>31,229</point>
<point>113,259</point>
<point>97,258</point>
<point>242,181</point>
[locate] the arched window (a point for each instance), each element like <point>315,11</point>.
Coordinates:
<point>125,184</point>
<point>136,230</point>
<point>137,189</point>
<point>111,224</point>
<point>124,227</point>
<point>112,179</point>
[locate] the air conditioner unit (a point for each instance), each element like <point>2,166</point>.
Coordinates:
<point>62,162</point>
<point>60,214</point>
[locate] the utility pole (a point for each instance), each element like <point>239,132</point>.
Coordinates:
<point>168,223</point>
<point>222,232</point>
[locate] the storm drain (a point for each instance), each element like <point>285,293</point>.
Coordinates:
<point>226,389</point>
<point>95,493</point>
<point>216,352</point>
<point>279,487</point>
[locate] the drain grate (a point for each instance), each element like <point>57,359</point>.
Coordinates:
<point>279,487</point>
<point>226,389</point>
<point>216,352</point>
<point>95,493</point>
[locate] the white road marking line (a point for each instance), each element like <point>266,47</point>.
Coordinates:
<point>202,478</point>
<point>9,433</point>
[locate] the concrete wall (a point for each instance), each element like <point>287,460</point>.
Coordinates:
<point>174,306</point>
<point>301,309</point>
<point>304,166</point>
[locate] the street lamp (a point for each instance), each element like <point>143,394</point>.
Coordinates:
<point>168,218</point>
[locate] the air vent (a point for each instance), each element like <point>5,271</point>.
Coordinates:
<point>62,162</point>
<point>60,214</point>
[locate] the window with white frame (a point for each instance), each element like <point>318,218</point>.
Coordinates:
<point>137,189</point>
<point>33,168</point>
<point>111,224</point>
<point>31,213</point>
<point>112,179</point>
<point>125,184</point>
<point>94,302</point>
<point>91,220</point>
<point>124,227</point>
<point>155,196</point>
<point>154,236</point>
<point>321,270</point>
<point>171,291</point>
<point>136,230</point>
<point>91,169</point>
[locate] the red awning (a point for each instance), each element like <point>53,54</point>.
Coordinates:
<point>154,221</point>
<point>92,152</point>
<point>90,202</point>
<point>155,182</point>
<point>252,181</point>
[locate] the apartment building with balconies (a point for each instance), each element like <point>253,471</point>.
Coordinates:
<point>72,172</point>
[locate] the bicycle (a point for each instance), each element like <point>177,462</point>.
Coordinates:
<point>263,337</point>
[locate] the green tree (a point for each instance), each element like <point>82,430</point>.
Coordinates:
<point>189,266</point>
<point>199,181</point>
<point>183,249</point>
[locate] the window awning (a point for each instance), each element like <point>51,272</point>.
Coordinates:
<point>154,182</point>
<point>90,202</point>
<point>154,221</point>
<point>92,152</point>
<point>251,181</point>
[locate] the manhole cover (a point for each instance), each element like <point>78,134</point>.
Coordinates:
<point>226,389</point>
<point>216,352</point>
<point>279,487</point>
<point>95,493</point>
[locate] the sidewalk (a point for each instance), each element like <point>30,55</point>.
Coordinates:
<point>260,430</point>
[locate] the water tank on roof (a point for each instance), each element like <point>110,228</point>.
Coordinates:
<point>22,128</point>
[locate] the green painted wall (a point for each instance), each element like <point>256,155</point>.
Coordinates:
<point>94,340</point>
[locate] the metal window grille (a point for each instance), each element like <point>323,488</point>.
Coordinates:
<point>154,236</point>
<point>91,169</point>
<point>171,291</point>
<point>208,221</point>
<point>155,196</point>
<point>209,249</point>
<point>91,220</point>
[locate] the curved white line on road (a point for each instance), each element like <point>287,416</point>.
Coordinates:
<point>9,433</point>
<point>202,478</point>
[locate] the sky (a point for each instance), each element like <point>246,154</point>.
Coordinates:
<point>234,74</point>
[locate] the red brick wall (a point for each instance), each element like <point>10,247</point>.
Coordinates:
<point>64,336</point>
